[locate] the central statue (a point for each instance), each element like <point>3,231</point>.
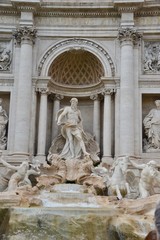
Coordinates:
<point>71,121</point>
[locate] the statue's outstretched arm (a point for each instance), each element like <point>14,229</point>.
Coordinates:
<point>139,166</point>
<point>32,171</point>
<point>8,165</point>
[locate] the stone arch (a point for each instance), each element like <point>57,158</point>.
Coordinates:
<point>76,68</point>
<point>76,44</point>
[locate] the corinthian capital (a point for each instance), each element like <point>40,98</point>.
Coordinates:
<point>108,91</point>
<point>24,33</point>
<point>42,90</point>
<point>95,97</point>
<point>129,34</point>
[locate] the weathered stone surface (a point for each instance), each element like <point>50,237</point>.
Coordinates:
<point>90,224</point>
<point>105,219</point>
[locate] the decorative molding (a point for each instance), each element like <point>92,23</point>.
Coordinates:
<point>24,33</point>
<point>86,10</point>
<point>30,6</point>
<point>147,13</point>
<point>129,9</point>
<point>46,13</point>
<point>77,14</point>
<point>77,41</point>
<point>6,82</point>
<point>9,12</point>
<point>78,92</point>
<point>129,34</point>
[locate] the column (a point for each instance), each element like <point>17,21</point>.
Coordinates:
<point>117,112</point>
<point>42,127</point>
<point>33,143</point>
<point>96,117</point>
<point>127,38</point>
<point>107,126</point>
<point>56,106</point>
<point>138,122</point>
<point>26,37</point>
<point>13,99</point>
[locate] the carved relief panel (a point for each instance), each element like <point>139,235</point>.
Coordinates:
<point>4,119</point>
<point>151,57</point>
<point>5,56</point>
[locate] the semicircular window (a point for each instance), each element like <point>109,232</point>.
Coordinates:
<point>76,67</point>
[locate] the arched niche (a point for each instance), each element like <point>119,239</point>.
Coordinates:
<point>76,68</point>
<point>76,44</point>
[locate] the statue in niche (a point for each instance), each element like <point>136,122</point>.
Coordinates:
<point>5,59</point>
<point>73,142</point>
<point>152,57</point>
<point>152,129</point>
<point>71,121</point>
<point>3,124</point>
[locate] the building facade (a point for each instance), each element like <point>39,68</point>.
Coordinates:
<point>106,53</point>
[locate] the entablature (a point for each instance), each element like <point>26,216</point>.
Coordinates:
<point>88,8</point>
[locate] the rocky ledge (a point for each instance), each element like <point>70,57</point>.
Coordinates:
<point>80,217</point>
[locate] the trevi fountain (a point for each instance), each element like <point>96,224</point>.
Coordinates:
<point>79,119</point>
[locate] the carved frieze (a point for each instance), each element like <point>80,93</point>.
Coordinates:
<point>24,33</point>
<point>5,56</point>
<point>151,57</point>
<point>129,34</point>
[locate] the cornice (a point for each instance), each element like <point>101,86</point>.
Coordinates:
<point>149,81</point>
<point>26,5</point>
<point>6,82</point>
<point>127,9</point>
<point>78,4</point>
<point>107,9</point>
<point>145,13</point>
